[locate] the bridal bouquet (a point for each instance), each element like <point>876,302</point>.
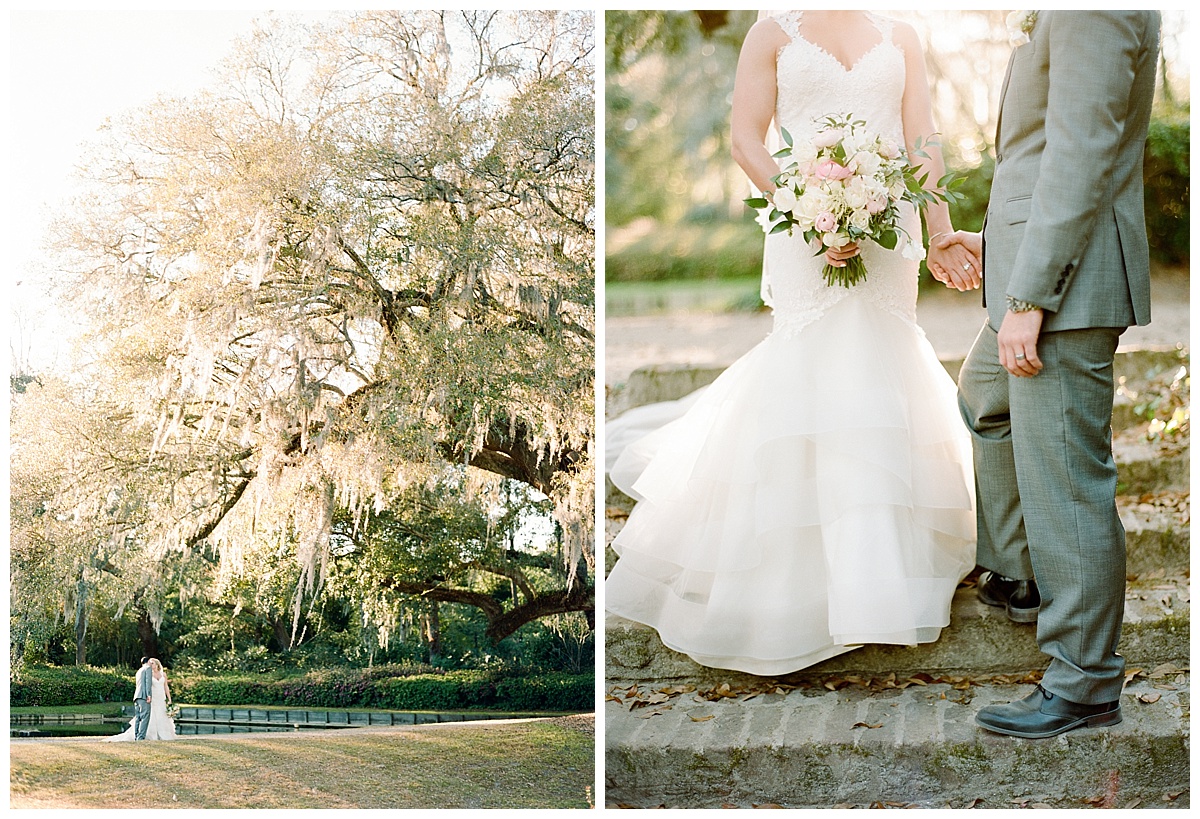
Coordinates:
<point>172,710</point>
<point>844,186</point>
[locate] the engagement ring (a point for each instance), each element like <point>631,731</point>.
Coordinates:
<point>1020,356</point>
<point>967,266</point>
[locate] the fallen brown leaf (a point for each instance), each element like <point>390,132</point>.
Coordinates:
<point>703,719</point>
<point>867,725</point>
<point>1163,670</point>
<point>1149,698</point>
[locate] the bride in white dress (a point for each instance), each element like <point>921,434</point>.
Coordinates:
<point>819,494</point>
<point>160,726</point>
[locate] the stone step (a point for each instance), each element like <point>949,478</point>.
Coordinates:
<point>1140,375</point>
<point>1143,467</point>
<point>979,640</point>
<point>888,746</point>
<point>1157,530</point>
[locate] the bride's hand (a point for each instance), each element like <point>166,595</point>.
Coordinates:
<point>836,257</point>
<point>954,260</point>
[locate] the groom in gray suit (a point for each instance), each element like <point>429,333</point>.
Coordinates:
<point>142,684</point>
<point>1066,270</point>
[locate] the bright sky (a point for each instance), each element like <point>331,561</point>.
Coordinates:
<point>68,72</point>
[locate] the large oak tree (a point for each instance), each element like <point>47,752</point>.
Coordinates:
<point>364,253</point>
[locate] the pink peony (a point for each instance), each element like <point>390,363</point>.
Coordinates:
<point>825,222</point>
<point>831,170</point>
<point>876,205</point>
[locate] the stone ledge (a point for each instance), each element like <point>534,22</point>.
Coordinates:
<point>979,640</point>
<point>914,747</point>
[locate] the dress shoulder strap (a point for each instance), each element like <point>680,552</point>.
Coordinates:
<point>789,21</point>
<point>883,24</point>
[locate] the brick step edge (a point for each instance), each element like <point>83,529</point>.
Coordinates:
<point>915,747</point>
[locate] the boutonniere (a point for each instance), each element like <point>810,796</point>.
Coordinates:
<point>1020,24</point>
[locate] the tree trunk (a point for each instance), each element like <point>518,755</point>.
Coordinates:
<point>282,631</point>
<point>431,627</point>
<point>81,610</point>
<point>147,634</point>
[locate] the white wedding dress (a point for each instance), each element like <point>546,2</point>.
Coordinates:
<point>819,494</point>
<point>161,726</point>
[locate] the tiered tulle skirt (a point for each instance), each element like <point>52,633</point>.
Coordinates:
<point>817,496</point>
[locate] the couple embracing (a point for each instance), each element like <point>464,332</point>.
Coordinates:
<point>151,698</point>
<point>833,486</point>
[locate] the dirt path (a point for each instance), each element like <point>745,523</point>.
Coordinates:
<point>950,320</point>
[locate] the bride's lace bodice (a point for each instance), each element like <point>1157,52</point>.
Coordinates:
<point>811,84</point>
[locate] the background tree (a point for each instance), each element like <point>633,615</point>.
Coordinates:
<point>366,253</point>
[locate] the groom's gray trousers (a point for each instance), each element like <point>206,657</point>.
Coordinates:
<point>1046,484</point>
<point>141,718</point>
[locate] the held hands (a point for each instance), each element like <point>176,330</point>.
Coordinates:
<point>955,259</point>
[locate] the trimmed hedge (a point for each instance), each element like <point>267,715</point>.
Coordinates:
<point>388,687</point>
<point>68,685</point>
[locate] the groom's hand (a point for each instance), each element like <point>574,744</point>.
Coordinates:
<point>1017,341</point>
<point>955,259</point>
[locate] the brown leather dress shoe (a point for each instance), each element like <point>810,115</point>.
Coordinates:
<point>1043,714</point>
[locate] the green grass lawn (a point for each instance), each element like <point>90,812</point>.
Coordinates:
<point>543,764</point>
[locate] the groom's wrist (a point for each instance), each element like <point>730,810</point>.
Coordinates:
<point>1021,306</point>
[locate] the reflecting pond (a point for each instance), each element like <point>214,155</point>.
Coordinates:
<point>201,721</point>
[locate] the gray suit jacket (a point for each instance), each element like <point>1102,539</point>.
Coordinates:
<point>1066,227</point>
<point>143,683</point>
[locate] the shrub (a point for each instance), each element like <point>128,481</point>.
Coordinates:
<point>41,685</point>
<point>1168,186</point>
<point>547,692</point>
<point>454,690</point>
<point>396,687</point>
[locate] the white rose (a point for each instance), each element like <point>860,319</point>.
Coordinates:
<point>814,202</point>
<point>804,152</point>
<point>889,148</point>
<point>913,250</point>
<point>835,240</point>
<point>860,218</point>
<point>868,162</point>
<point>784,199</point>
<point>827,138</point>
<point>855,193</point>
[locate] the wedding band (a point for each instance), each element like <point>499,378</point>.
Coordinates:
<point>1020,356</point>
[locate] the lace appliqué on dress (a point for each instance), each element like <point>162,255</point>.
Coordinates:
<point>809,80</point>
